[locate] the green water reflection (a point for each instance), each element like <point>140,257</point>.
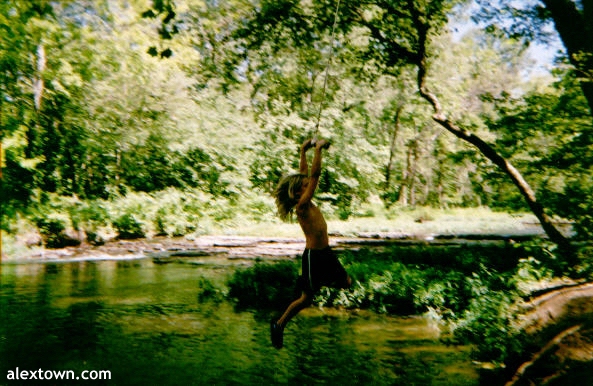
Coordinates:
<point>146,324</point>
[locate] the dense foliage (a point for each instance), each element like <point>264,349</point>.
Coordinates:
<point>557,160</point>
<point>198,107</point>
<point>472,289</point>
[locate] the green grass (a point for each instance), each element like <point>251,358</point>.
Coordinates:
<point>456,221</point>
<point>419,221</point>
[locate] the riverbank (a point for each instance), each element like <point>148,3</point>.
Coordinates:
<point>234,247</point>
<point>281,240</point>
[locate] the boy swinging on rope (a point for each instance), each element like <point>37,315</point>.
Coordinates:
<point>320,266</point>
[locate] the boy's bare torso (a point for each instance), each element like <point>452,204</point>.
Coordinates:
<point>313,225</point>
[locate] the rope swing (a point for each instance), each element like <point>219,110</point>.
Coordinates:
<point>327,67</point>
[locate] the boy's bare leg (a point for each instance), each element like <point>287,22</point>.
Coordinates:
<point>294,308</point>
<point>277,327</point>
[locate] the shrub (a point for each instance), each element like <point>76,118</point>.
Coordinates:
<point>393,291</point>
<point>53,231</point>
<point>488,324</point>
<point>585,266</point>
<point>209,292</point>
<point>128,227</point>
<point>265,285</point>
<point>354,297</point>
<point>89,217</point>
<point>168,221</point>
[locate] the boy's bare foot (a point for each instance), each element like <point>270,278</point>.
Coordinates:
<point>277,334</point>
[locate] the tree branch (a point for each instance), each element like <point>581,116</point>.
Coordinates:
<point>487,150</point>
<point>396,52</point>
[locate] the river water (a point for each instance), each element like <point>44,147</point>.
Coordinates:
<point>146,323</point>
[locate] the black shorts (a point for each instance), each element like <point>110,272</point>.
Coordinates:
<point>321,268</point>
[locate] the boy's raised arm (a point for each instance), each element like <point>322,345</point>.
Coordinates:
<point>304,167</point>
<point>315,173</point>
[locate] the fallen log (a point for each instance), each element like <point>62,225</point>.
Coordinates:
<point>549,309</point>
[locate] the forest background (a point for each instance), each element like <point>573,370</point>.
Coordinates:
<point>138,118</point>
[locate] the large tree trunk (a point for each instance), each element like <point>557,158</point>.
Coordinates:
<point>575,28</point>
<point>407,195</point>
<point>38,86</point>
<point>488,151</point>
<point>392,148</point>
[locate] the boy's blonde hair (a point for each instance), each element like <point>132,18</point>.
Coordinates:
<point>285,194</point>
